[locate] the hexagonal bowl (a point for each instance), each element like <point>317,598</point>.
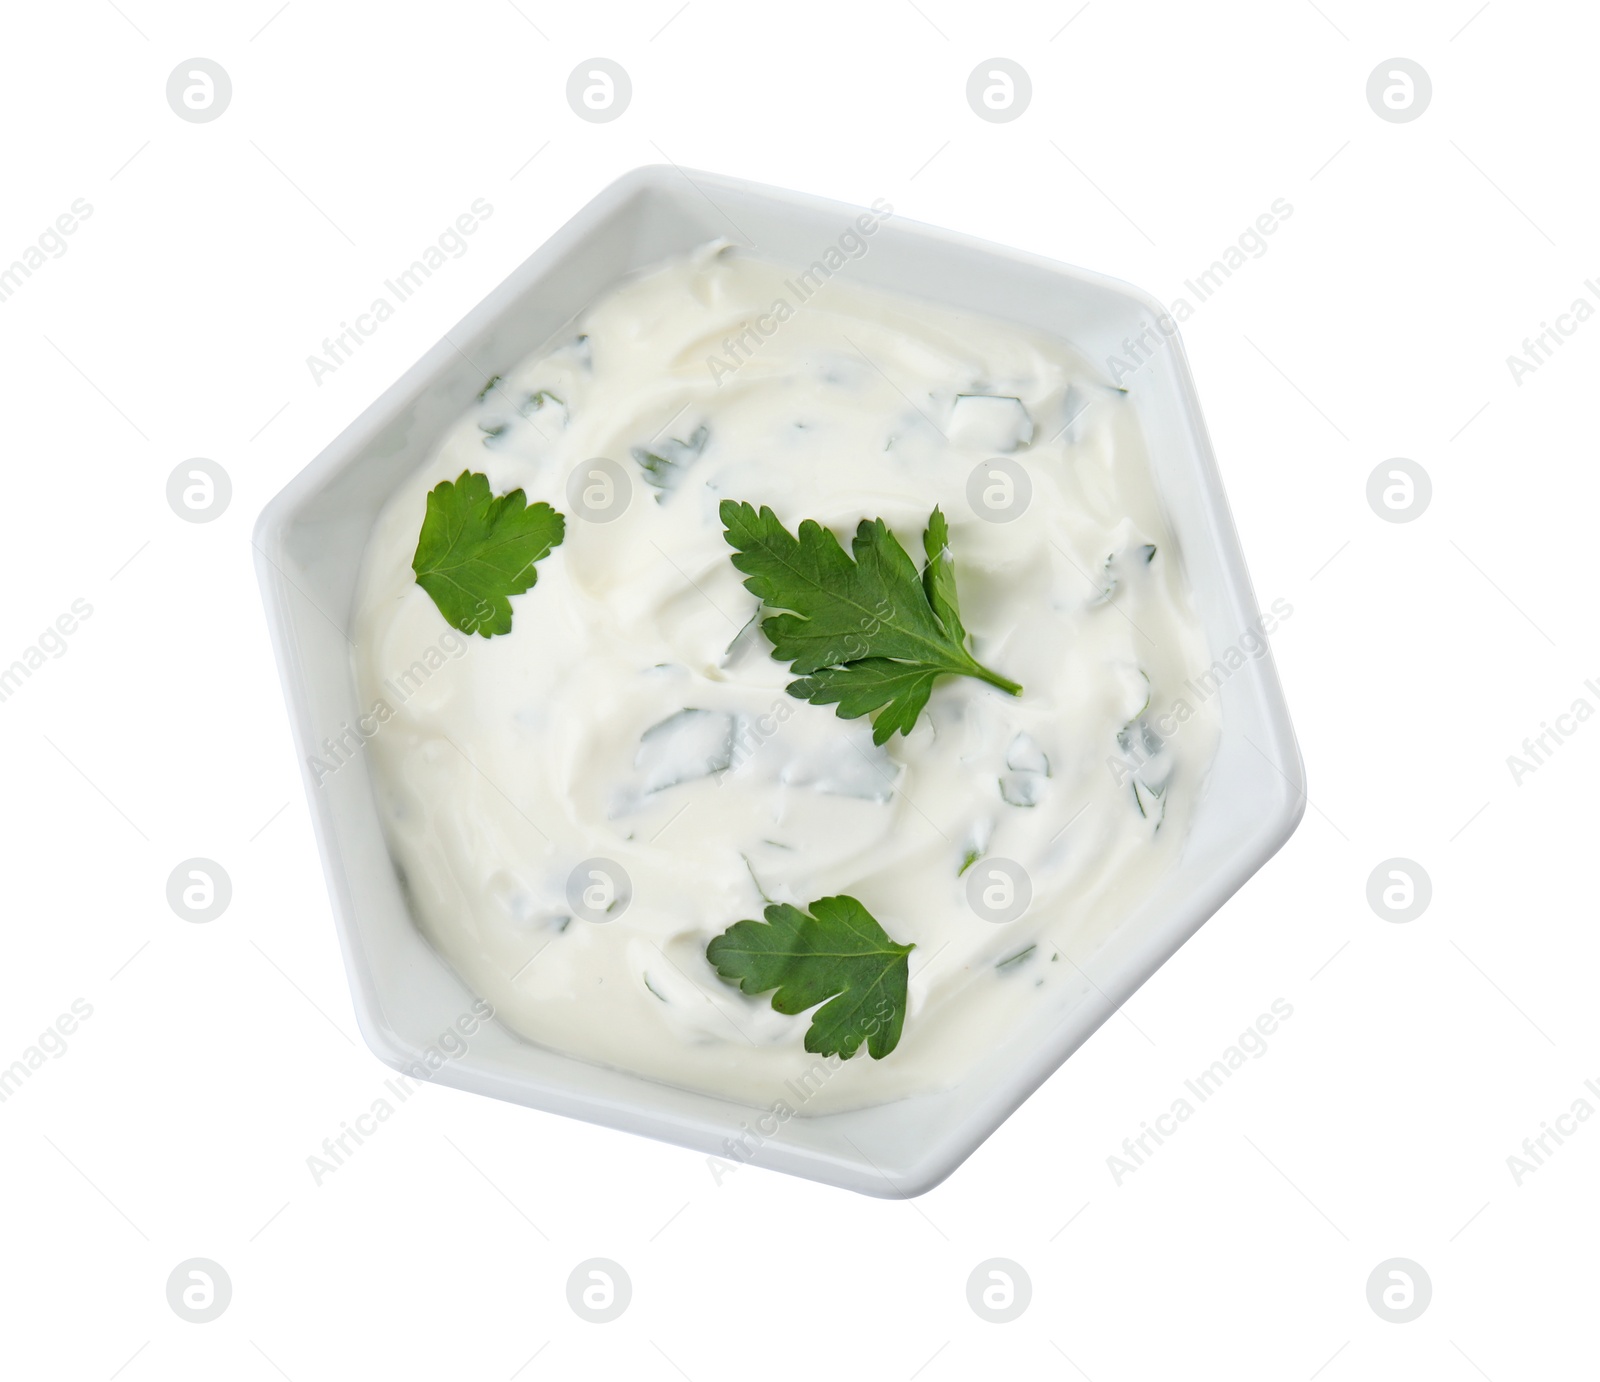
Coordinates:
<point>309,544</point>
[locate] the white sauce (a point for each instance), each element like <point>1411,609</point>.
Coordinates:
<point>502,764</point>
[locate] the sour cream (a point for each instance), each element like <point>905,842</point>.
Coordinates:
<point>628,750</point>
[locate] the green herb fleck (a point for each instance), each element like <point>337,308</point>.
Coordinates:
<point>664,467</point>
<point>1020,956</point>
<point>751,870</point>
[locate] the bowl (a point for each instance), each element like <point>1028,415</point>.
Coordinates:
<point>411,1008</point>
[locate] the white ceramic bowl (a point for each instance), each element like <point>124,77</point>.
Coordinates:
<point>309,544</point>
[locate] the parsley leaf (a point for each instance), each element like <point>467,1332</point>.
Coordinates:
<point>476,550</point>
<point>939,576</point>
<point>838,952</point>
<point>869,634</point>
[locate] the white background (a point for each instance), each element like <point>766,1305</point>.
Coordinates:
<point>1419,1056</point>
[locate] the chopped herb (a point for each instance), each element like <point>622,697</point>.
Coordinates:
<point>1115,569</point>
<point>1145,757</point>
<point>1147,689</point>
<point>1022,789</point>
<point>751,870</point>
<point>869,634</point>
<point>664,466</point>
<point>1149,741</point>
<point>990,422</point>
<point>836,951</point>
<point>483,393</point>
<point>1143,792</point>
<point>1109,586</point>
<point>1023,755</point>
<point>1017,958</point>
<point>690,744</point>
<point>742,641</point>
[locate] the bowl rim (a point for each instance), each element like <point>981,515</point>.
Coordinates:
<point>946,1153</point>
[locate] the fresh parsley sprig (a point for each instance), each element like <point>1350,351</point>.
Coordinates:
<point>868,634</point>
<point>837,952</point>
<point>477,549</point>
